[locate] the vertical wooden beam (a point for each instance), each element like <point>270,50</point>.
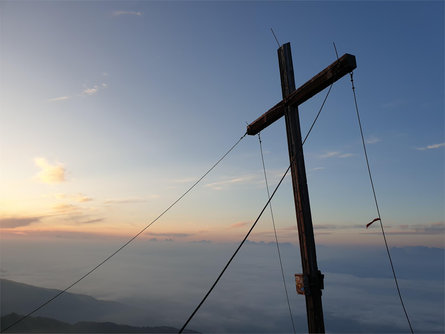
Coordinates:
<point>312,276</point>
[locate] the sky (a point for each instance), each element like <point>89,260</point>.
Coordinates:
<point>110,110</point>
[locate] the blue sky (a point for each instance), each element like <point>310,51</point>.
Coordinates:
<point>111,109</point>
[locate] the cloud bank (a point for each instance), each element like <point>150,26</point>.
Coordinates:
<point>166,280</point>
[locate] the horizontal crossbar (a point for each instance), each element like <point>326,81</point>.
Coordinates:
<point>329,75</point>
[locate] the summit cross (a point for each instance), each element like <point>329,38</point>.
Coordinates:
<point>288,107</point>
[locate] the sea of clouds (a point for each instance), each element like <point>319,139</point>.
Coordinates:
<point>165,280</point>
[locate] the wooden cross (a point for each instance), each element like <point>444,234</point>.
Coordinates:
<point>288,107</point>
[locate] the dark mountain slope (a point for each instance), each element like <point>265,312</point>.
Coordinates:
<point>47,325</point>
<point>22,298</point>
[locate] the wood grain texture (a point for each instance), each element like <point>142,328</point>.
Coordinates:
<point>311,274</point>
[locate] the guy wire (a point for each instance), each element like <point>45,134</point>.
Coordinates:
<point>275,233</point>
<point>377,205</point>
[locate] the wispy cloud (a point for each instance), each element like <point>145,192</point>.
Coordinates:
<point>126,200</point>
<point>324,227</point>
<point>91,221</point>
<point>86,91</point>
<point>372,140</point>
<point>252,179</point>
<point>75,215</point>
<point>50,173</point>
<point>316,168</point>
<point>337,226</point>
<point>329,155</point>
<point>89,91</point>
<point>67,234</point>
<point>335,154</point>
<point>81,198</point>
<point>14,222</point>
<point>431,228</point>
<point>66,208</point>
<point>431,147</point>
<point>245,179</point>
<point>60,98</point>
<point>124,12</point>
<point>319,229</point>
<point>238,225</point>
<point>170,235</point>
<point>417,229</point>
<point>345,155</point>
<point>220,184</point>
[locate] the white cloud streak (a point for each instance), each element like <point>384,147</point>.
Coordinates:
<point>335,154</point>
<point>247,179</point>
<point>431,147</point>
<point>329,155</point>
<point>129,200</point>
<point>219,184</point>
<point>81,198</point>
<point>373,140</point>
<point>60,98</point>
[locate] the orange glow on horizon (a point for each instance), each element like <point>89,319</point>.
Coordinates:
<point>218,235</point>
